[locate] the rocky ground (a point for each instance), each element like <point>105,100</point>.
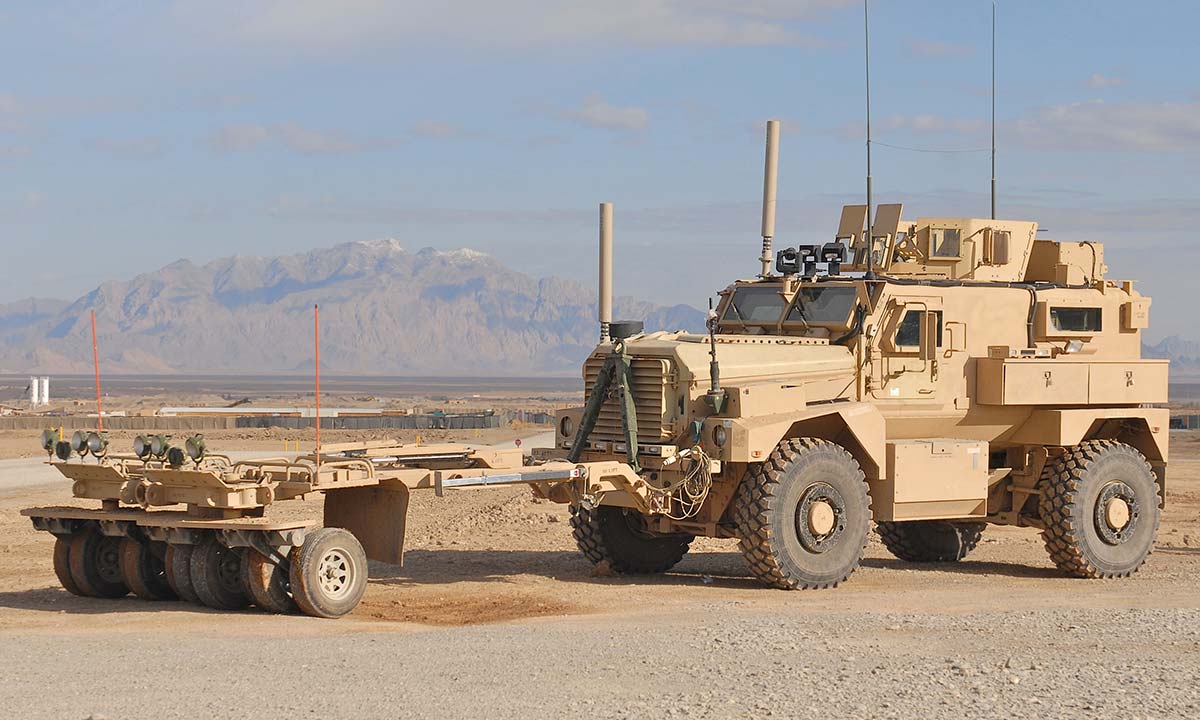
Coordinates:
<point>496,615</point>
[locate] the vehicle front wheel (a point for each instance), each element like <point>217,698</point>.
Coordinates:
<point>803,516</point>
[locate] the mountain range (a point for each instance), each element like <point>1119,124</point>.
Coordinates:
<point>384,310</point>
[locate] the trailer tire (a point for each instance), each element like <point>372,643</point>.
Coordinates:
<point>268,583</point>
<point>788,539</point>
<point>62,565</point>
<point>95,560</point>
<point>608,534</point>
<point>144,569</point>
<point>1080,491</point>
<point>930,540</point>
<point>328,573</point>
<point>216,573</point>
<point>179,572</point>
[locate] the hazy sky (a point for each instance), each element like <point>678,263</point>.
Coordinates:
<point>133,133</point>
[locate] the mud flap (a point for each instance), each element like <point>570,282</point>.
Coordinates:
<point>375,515</point>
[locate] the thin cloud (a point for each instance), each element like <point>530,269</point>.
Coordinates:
<point>238,138</point>
<point>130,147</point>
<point>315,142</point>
<point>598,113</point>
<point>294,137</point>
<point>1099,126</point>
<point>434,129</point>
<point>350,24</point>
<point>1100,81</point>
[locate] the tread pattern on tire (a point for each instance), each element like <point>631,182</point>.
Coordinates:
<point>301,571</point>
<point>752,505</point>
<point>85,546</point>
<point>144,573</point>
<point>909,542</point>
<point>587,527</point>
<point>179,570</point>
<point>268,583</point>
<point>1060,484</point>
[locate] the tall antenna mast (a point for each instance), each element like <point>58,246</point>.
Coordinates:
<point>993,109</point>
<point>867,46</point>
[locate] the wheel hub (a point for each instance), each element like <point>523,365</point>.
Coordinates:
<point>1116,513</point>
<point>820,517</point>
<point>333,574</point>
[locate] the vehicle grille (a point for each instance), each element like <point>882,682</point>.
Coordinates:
<point>649,397</point>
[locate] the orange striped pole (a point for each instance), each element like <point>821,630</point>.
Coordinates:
<point>96,364</point>
<point>317,357</point>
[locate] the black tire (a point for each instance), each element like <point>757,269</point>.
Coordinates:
<point>777,502</point>
<point>268,583</point>
<point>328,573</point>
<point>1076,490</point>
<point>95,560</point>
<point>179,571</point>
<point>62,565</point>
<point>144,569</point>
<point>616,536</point>
<point>930,540</point>
<point>216,574</point>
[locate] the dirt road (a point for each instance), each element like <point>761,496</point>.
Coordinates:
<point>496,615</point>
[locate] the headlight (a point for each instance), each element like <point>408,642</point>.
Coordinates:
<point>565,427</point>
<point>195,447</point>
<point>49,437</point>
<point>79,442</point>
<point>141,446</point>
<point>159,446</point>
<point>720,435</point>
<point>175,457</point>
<point>97,444</point>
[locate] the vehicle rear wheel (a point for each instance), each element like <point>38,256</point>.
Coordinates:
<point>930,540</point>
<point>268,583</point>
<point>179,571</point>
<point>62,565</point>
<point>1100,506</point>
<point>618,536</point>
<point>328,573</point>
<point>95,560</point>
<point>803,516</point>
<point>216,573</point>
<point>144,570</point>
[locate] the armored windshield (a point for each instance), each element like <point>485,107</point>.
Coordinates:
<point>755,306</point>
<point>823,305</point>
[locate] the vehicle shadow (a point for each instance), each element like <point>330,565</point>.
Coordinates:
<point>966,567</point>
<point>57,600</point>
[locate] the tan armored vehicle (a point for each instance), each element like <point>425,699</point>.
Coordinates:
<point>929,375</point>
<point>932,375</point>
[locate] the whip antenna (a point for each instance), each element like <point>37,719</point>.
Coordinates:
<point>867,55</point>
<point>993,110</point>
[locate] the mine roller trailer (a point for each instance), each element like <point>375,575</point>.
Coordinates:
<point>201,532</point>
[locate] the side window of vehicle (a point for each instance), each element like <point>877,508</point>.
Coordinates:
<point>908,333</point>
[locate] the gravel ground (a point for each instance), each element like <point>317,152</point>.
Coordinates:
<point>496,615</point>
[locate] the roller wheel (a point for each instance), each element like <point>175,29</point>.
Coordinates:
<point>803,516</point>
<point>268,583</point>
<point>618,536</point>
<point>95,561</point>
<point>62,565</point>
<point>179,572</point>
<point>328,573</point>
<point>1100,509</point>
<point>216,573</point>
<point>930,540</point>
<point>144,569</point>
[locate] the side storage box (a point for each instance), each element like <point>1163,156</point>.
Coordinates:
<point>933,479</point>
<point>1022,381</point>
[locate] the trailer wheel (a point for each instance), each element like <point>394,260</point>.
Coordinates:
<point>95,560</point>
<point>268,583</point>
<point>62,565</point>
<point>328,573</point>
<point>617,536</point>
<point>930,540</point>
<point>804,515</point>
<point>216,573</point>
<point>1100,507</point>
<point>179,572</point>
<point>144,570</point>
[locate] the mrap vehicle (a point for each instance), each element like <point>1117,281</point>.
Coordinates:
<point>931,376</point>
